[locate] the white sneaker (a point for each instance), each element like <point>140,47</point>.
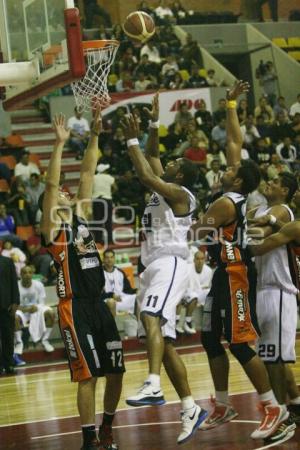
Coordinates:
<point>19,348</point>
<point>179,329</point>
<point>191,420</point>
<point>273,415</point>
<point>147,395</point>
<point>47,346</point>
<point>189,329</point>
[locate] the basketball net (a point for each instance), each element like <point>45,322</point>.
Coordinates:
<point>91,90</point>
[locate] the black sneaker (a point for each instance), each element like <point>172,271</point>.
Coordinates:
<point>284,432</point>
<point>106,438</point>
<point>94,445</point>
<point>295,411</point>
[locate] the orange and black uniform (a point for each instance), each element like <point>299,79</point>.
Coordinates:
<point>230,304</point>
<point>88,329</point>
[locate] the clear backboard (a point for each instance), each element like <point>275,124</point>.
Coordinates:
<point>40,32</point>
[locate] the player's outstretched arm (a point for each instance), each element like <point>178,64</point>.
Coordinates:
<point>288,233</point>
<point>234,135</point>
<point>152,145</point>
<point>144,171</point>
<point>89,162</point>
<point>50,219</point>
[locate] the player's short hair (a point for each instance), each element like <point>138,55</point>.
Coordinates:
<point>190,172</point>
<point>289,181</point>
<point>108,250</point>
<point>250,174</point>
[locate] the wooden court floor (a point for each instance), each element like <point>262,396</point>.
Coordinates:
<point>38,410</point>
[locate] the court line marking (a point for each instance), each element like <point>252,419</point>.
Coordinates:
<point>171,402</point>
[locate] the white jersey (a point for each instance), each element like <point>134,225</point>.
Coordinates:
<point>164,233</point>
<point>33,295</point>
<point>273,268</point>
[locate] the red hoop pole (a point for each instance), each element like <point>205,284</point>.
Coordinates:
<point>75,51</point>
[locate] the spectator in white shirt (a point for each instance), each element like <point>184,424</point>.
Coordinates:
<point>249,131</point>
<point>152,52</point>
<point>103,186</point>
<point>287,152</point>
<point>295,108</point>
<point>214,177</point>
<point>200,277</point>
<point>163,12</point>
<point>16,254</point>
<point>25,168</point>
<point>142,83</point>
<point>80,132</point>
<point>33,313</point>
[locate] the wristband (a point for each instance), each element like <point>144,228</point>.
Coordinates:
<point>230,104</point>
<point>131,142</point>
<point>272,219</point>
<point>154,124</point>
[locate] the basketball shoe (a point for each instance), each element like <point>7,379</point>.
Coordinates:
<point>273,415</point>
<point>94,445</point>
<point>188,328</point>
<point>284,432</point>
<point>106,438</point>
<point>221,414</point>
<point>295,410</point>
<point>191,420</point>
<point>147,395</point>
<point>18,360</point>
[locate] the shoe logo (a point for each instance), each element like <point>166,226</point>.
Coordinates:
<point>156,392</point>
<point>192,417</point>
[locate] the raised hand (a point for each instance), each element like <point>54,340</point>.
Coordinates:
<point>153,114</point>
<point>59,126</point>
<point>96,127</point>
<point>130,127</point>
<point>239,88</point>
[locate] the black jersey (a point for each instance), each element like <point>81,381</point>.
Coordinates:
<point>77,260</point>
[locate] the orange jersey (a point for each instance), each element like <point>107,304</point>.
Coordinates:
<point>78,263</point>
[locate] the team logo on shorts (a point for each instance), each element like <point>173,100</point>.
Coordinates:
<point>240,301</point>
<point>70,346</point>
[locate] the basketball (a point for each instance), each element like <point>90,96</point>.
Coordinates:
<point>139,26</point>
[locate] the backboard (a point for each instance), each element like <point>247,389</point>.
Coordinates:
<point>48,35</point>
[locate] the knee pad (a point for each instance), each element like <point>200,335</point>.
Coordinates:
<point>212,345</point>
<point>242,352</point>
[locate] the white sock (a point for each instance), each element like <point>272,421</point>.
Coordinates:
<point>47,333</point>
<point>188,319</point>
<point>222,397</point>
<point>18,336</point>
<point>177,318</point>
<point>187,403</point>
<point>268,397</point>
<point>295,401</point>
<point>154,379</point>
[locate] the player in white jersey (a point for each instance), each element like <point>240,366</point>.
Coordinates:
<point>200,276</point>
<point>164,253</point>
<point>276,303</point>
<point>33,313</point>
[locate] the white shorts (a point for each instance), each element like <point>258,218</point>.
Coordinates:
<point>162,287</point>
<point>35,321</point>
<point>277,319</point>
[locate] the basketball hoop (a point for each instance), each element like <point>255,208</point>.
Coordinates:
<point>91,90</point>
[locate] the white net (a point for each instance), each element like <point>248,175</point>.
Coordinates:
<point>91,91</point>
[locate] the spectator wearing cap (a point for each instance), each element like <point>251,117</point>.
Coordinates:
<point>79,134</point>
<point>25,168</point>
<point>103,186</point>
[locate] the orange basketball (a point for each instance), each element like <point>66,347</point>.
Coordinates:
<point>139,26</point>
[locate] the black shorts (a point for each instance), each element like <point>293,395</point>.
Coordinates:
<point>91,338</point>
<point>230,305</point>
